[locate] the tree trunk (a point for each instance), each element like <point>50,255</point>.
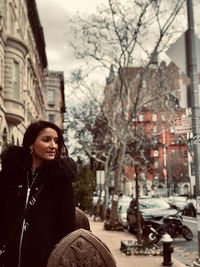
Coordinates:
<point>139,226</point>
<point>106,188</point>
<point>118,174</point>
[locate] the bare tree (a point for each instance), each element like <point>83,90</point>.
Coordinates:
<point>122,35</point>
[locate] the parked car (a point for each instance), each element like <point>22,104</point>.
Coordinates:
<point>123,204</point>
<point>179,201</point>
<point>150,208</point>
<point>191,207</point>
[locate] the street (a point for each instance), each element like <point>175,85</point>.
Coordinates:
<point>187,251</point>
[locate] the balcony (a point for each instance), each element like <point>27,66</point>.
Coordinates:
<point>14,111</point>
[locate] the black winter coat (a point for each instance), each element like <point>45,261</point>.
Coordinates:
<point>49,220</point>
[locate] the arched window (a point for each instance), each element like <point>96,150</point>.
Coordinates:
<point>16,80</point>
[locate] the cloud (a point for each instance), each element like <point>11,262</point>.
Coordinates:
<point>53,16</point>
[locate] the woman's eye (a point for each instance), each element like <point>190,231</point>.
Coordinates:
<point>46,139</point>
<point>50,139</point>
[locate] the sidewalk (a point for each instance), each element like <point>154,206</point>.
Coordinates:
<point>113,241</point>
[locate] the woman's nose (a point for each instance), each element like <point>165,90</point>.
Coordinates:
<point>53,144</point>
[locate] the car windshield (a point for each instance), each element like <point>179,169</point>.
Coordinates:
<point>153,203</point>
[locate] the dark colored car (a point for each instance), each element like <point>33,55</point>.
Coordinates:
<point>150,208</point>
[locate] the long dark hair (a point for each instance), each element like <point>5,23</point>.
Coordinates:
<point>34,130</point>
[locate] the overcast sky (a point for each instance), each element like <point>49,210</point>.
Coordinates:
<point>53,15</point>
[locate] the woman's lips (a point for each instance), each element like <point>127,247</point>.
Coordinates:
<point>51,153</point>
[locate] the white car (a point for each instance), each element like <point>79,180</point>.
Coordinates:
<point>123,205</point>
<point>179,201</point>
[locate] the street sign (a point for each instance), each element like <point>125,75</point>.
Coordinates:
<point>182,125</point>
<point>177,53</point>
<point>100,177</point>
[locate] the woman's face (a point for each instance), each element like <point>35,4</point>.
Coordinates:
<point>45,146</point>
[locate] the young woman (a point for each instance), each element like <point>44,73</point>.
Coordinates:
<point>36,177</point>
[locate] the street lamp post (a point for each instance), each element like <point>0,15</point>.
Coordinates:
<point>195,106</point>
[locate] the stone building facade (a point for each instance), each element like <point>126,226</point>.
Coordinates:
<point>55,101</point>
<point>23,69</point>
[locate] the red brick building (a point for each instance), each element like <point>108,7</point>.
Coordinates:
<point>166,169</point>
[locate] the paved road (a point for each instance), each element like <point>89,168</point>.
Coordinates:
<point>187,251</point>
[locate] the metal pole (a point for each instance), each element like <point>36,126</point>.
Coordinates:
<point>194,101</point>
<point>165,161</point>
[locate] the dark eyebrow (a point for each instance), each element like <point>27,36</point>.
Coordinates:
<point>49,137</point>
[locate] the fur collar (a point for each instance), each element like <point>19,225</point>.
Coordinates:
<point>14,156</point>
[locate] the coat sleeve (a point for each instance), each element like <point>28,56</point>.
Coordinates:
<point>61,173</point>
<point>65,167</point>
<point>64,207</point>
<point>1,206</point>
<point>2,200</point>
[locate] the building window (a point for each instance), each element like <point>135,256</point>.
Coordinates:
<point>154,117</point>
<point>5,12</point>
<point>22,17</point>
<point>155,129</point>
<point>185,153</point>
<point>16,80</point>
<point>172,129</point>
<point>5,138</point>
<point>178,139</point>
<point>12,21</point>
<point>1,74</point>
<point>155,153</point>
<point>156,165</point>
<point>155,139</point>
<point>51,97</point>
<point>141,117</point>
<point>51,118</point>
<point>192,169</point>
<point>163,118</point>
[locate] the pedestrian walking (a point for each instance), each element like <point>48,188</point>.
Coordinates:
<point>36,197</point>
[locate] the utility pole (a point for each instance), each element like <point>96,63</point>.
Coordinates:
<point>195,107</point>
